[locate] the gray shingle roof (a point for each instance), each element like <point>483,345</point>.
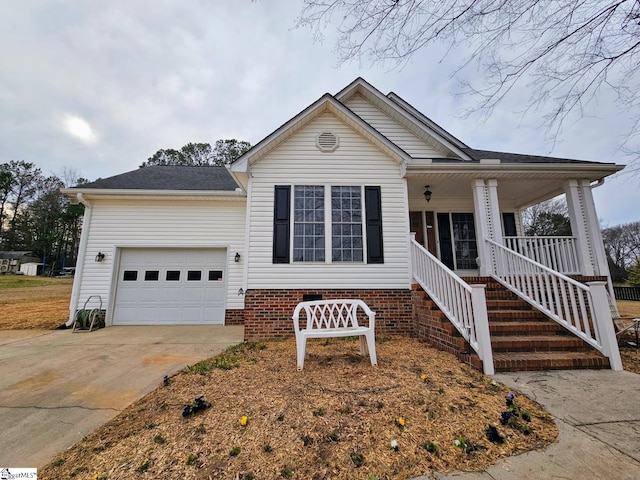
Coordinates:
<point>506,157</point>
<point>168,177</point>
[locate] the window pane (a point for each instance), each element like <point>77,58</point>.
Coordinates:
<point>151,275</point>
<point>130,275</point>
<point>173,275</point>
<point>464,237</point>
<point>194,275</point>
<point>215,275</point>
<point>308,227</point>
<point>346,229</point>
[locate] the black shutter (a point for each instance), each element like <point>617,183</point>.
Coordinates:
<point>373,206</point>
<point>509,221</point>
<point>446,242</point>
<point>281,230</point>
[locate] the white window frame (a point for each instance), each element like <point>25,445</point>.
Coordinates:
<point>328,224</point>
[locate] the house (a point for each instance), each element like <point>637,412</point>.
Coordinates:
<point>358,196</point>
<point>11,261</point>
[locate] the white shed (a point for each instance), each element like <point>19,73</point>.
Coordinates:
<point>31,269</point>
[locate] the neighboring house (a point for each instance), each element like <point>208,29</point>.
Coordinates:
<point>325,206</point>
<point>10,261</point>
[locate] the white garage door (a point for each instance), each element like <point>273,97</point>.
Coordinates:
<point>170,287</point>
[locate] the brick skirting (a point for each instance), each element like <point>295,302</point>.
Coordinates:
<point>267,313</point>
<point>234,317</point>
<point>432,327</point>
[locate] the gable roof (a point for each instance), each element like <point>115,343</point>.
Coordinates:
<point>405,114</point>
<point>425,120</point>
<point>167,177</point>
<point>326,103</point>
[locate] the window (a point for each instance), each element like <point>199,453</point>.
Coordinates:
<point>151,275</point>
<point>346,224</point>
<point>173,275</point>
<point>215,275</point>
<point>351,217</point>
<point>130,276</point>
<point>194,275</point>
<point>308,224</point>
<point>464,237</point>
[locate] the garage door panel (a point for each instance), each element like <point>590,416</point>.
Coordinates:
<point>167,296</point>
<point>215,294</point>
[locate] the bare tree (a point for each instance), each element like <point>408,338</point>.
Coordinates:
<point>547,218</point>
<point>622,244</point>
<point>566,51</point>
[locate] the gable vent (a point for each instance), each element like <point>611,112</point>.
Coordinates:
<point>327,141</point>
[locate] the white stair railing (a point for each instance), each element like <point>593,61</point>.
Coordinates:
<point>463,304</point>
<point>557,253</point>
<point>581,309</point>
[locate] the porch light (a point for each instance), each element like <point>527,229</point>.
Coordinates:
<point>237,257</point>
<point>427,193</point>
<point>100,257</point>
<point>240,291</point>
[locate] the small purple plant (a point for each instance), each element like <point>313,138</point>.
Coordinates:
<point>493,435</point>
<point>510,399</point>
<point>505,417</point>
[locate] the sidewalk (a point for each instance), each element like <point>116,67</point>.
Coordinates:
<point>598,416</point>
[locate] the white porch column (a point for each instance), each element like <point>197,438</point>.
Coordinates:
<point>586,228</point>
<point>488,224</point>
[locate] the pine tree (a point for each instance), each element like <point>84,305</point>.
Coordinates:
<point>634,274</point>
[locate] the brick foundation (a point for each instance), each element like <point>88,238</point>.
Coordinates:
<point>234,317</point>
<point>267,313</point>
<point>432,327</point>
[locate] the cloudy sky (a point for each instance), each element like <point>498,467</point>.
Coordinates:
<point>101,86</point>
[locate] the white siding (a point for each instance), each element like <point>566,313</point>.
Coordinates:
<point>144,223</point>
<point>355,162</point>
<point>391,129</point>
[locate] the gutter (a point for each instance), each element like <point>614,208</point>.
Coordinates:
<point>82,250</point>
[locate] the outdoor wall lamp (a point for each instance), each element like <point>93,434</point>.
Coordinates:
<point>240,291</point>
<point>427,193</point>
<point>100,257</point>
<point>237,257</point>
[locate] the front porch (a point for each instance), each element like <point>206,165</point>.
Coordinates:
<point>470,245</point>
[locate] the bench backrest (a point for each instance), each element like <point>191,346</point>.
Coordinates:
<point>323,314</point>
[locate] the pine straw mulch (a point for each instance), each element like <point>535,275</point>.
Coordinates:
<point>335,419</point>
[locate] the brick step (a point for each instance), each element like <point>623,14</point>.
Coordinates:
<point>526,328</point>
<point>531,361</point>
<point>514,315</point>
<point>537,343</point>
<point>507,304</point>
<point>503,294</point>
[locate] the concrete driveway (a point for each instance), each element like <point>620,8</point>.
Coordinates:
<point>57,386</point>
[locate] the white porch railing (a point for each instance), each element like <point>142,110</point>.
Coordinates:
<point>463,304</point>
<point>557,253</point>
<point>581,309</point>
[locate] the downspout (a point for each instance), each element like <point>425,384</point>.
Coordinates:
<point>612,297</point>
<point>84,237</point>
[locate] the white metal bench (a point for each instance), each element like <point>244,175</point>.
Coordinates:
<point>334,318</point>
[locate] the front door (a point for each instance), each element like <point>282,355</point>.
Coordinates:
<point>416,220</point>
<point>457,235</point>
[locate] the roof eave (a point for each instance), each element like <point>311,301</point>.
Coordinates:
<point>575,169</point>
<point>237,194</point>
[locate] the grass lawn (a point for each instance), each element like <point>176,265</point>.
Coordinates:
<point>338,418</point>
<point>33,302</point>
